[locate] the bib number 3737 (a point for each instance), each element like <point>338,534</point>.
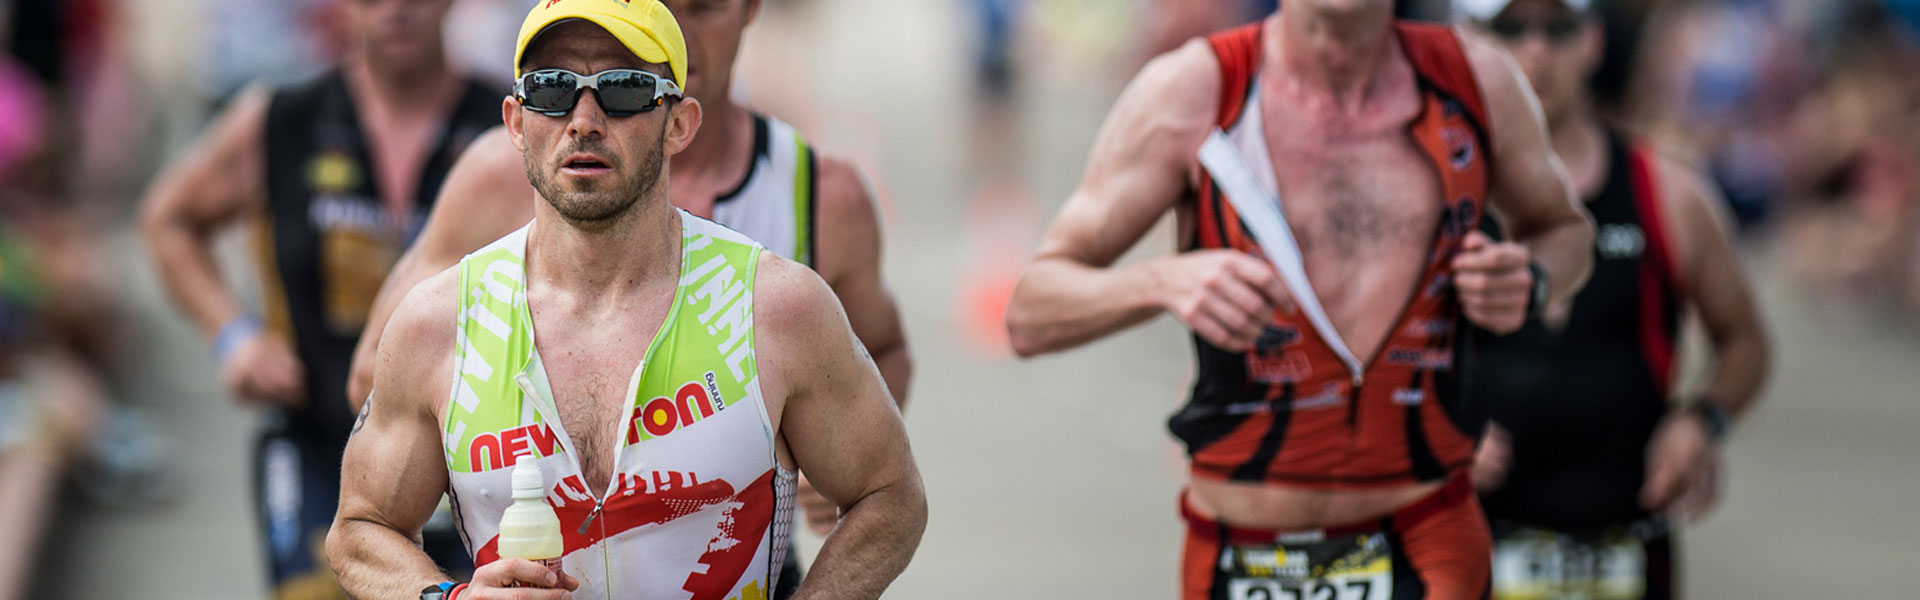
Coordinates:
<point>1370,588</point>
<point>1350,568</point>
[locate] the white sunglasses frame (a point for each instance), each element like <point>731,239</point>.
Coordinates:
<point>662,88</point>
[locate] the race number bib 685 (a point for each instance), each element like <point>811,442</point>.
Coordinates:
<point>1350,568</point>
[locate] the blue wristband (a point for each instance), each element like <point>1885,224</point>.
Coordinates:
<point>236,332</point>
<point>439,591</point>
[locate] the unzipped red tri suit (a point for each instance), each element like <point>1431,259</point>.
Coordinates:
<point>1291,411</point>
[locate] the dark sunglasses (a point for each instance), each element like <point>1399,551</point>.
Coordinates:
<point>1556,30</point>
<point>621,92</point>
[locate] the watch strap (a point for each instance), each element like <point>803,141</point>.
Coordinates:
<point>1713,417</point>
<point>1537,292</point>
<point>438,591</point>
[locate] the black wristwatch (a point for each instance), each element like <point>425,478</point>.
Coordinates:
<point>436,591</point>
<point>1714,417</point>
<point>1537,297</point>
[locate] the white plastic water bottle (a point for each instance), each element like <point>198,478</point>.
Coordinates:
<point>530,529</point>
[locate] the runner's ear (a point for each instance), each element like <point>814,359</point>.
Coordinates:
<point>683,120</point>
<point>511,115</point>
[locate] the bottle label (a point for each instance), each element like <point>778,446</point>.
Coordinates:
<point>553,564</point>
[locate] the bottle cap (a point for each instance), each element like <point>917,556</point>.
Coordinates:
<point>528,481</point>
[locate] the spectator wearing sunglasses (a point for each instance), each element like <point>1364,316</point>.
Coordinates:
<point>667,374</point>
<point>1588,459</point>
<point>333,176</point>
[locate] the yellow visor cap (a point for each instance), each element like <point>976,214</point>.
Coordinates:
<point>645,26</point>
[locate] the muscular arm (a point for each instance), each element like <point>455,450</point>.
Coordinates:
<point>485,196</point>
<point>849,259</point>
<point>1713,282</point>
<point>1530,192</point>
<point>218,180</point>
<point>1071,294</point>
<point>840,427</point>
<point>394,471</point>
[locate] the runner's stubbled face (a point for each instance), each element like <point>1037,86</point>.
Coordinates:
<point>591,168</point>
<point>713,29</point>
<point>1558,67</point>
<point>403,36</point>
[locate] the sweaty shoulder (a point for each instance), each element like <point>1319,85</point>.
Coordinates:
<point>416,349</point>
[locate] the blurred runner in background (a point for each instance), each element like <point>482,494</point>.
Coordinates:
<point>1333,431</point>
<point>335,175</point>
<point>1586,458</point>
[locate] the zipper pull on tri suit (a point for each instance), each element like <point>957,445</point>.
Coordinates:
<point>591,515</point>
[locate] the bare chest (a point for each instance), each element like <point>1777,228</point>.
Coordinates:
<point>1356,190</point>
<point>1364,204</point>
<point>589,362</point>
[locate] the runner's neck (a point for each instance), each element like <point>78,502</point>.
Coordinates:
<point>613,260</point>
<point>426,92</point>
<point>1338,53</point>
<point>720,152</point>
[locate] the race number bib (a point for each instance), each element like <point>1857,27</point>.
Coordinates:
<point>1536,564</point>
<point>1356,567</point>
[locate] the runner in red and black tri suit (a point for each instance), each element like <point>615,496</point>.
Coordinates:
<point>1327,167</point>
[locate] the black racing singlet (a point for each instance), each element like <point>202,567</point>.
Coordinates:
<point>1581,405</point>
<point>326,242</point>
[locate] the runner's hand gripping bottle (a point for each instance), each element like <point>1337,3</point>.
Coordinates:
<point>530,529</point>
